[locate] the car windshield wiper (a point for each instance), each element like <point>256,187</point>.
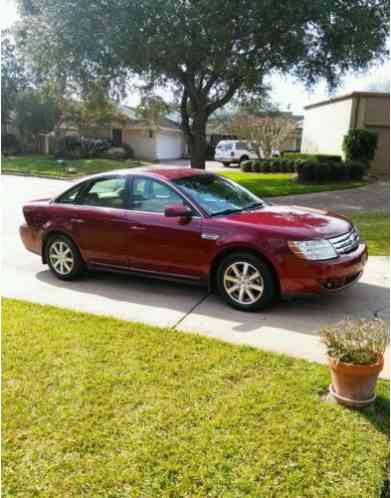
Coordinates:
<point>227,211</point>
<point>254,206</point>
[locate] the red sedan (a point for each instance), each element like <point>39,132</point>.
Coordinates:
<point>193,226</point>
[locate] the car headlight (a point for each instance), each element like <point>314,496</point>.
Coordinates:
<point>313,249</point>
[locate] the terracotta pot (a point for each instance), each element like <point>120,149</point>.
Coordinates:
<point>354,385</point>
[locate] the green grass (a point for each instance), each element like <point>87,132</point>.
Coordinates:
<point>97,407</point>
<point>374,227</point>
<point>276,184</point>
<point>47,166</point>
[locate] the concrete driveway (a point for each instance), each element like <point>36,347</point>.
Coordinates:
<point>291,327</point>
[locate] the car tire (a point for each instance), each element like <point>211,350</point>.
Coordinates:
<point>225,164</point>
<point>242,159</point>
<point>256,287</point>
<point>63,258</point>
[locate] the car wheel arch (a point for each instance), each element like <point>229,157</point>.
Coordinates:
<point>48,236</point>
<point>244,158</point>
<point>228,251</point>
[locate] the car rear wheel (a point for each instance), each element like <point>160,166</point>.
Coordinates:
<point>63,258</point>
<point>246,282</point>
<point>242,159</point>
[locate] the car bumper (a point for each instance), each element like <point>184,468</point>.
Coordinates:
<point>322,277</point>
<point>226,159</point>
<point>30,238</point>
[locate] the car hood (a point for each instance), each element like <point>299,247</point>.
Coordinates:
<point>294,221</point>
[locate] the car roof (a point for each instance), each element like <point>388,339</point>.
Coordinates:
<point>165,173</point>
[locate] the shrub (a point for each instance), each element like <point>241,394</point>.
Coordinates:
<point>290,165</point>
<point>318,157</point>
<point>356,169</point>
<point>307,172</point>
<point>265,167</point>
<point>298,165</point>
<point>256,166</point>
<point>360,145</point>
<point>246,166</point>
<point>275,166</point>
<point>72,146</point>
<point>334,170</point>
<point>115,153</point>
<point>322,171</point>
<point>341,172</point>
<point>361,342</point>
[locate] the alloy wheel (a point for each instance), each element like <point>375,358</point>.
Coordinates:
<point>61,257</point>
<point>243,282</point>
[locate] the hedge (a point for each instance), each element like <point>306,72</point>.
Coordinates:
<point>317,157</point>
<point>312,170</point>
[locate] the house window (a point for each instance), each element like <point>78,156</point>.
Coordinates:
<point>117,137</point>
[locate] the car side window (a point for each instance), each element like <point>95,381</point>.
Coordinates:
<point>108,193</point>
<point>71,195</point>
<point>152,196</point>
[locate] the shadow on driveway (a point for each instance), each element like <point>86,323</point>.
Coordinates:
<point>196,310</point>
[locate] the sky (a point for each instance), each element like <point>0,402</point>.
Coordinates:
<point>287,92</point>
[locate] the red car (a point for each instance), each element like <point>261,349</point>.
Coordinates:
<point>193,226</point>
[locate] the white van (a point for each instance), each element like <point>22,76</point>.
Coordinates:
<point>234,151</point>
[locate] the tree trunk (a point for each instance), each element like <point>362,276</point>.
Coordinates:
<point>197,141</point>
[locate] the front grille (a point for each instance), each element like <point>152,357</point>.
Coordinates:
<point>346,243</point>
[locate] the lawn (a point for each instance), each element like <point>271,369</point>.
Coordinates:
<point>97,407</point>
<point>47,166</point>
<point>276,184</point>
<point>374,227</point>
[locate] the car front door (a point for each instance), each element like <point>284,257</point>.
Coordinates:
<point>159,243</point>
<point>101,221</point>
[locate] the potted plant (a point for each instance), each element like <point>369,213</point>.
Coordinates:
<point>355,350</point>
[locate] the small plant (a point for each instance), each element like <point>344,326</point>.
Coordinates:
<point>360,145</point>
<point>361,342</point>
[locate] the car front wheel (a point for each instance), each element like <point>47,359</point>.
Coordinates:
<point>63,258</point>
<point>246,282</point>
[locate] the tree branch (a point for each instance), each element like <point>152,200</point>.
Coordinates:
<point>224,100</point>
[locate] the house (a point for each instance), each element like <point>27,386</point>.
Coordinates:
<point>152,141</point>
<point>327,122</point>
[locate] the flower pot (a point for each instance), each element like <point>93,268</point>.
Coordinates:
<point>354,385</point>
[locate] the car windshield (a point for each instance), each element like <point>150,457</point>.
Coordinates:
<point>217,195</point>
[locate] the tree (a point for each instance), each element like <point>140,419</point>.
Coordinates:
<point>35,113</point>
<point>13,79</point>
<point>208,49</point>
<point>266,134</point>
<point>151,109</point>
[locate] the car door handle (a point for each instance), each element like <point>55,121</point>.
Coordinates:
<point>140,228</point>
<point>76,220</point>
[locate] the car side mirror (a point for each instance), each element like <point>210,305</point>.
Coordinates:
<point>177,211</point>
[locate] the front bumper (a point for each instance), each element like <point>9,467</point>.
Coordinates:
<point>317,277</point>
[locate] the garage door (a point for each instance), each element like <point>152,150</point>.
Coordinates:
<point>169,146</point>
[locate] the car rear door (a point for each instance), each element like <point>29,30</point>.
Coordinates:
<point>158,243</point>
